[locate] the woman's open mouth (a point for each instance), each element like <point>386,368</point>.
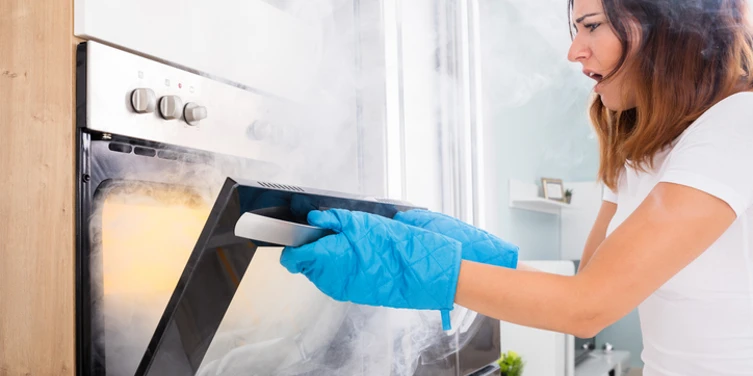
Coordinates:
<point>596,76</point>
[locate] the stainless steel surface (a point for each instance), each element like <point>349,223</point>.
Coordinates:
<point>170,107</point>
<point>143,100</point>
<point>276,231</point>
<point>112,76</point>
<point>193,113</point>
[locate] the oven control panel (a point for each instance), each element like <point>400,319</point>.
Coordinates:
<point>143,100</point>
<point>131,95</point>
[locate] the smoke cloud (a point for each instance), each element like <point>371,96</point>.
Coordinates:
<point>278,323</point>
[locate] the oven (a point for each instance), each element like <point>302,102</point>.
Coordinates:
<point>168,162</point>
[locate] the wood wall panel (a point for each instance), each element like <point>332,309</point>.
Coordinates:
<point>37,63</point>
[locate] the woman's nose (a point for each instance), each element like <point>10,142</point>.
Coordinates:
<point>578,51</point>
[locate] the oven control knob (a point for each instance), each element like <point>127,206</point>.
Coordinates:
<point>193,113</point>
<point>143,100</point>
<point>170,107</point>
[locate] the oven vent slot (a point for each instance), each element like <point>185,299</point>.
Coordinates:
<point>146,152</point>
<point>162,154</point>
<point>167,154</point>
<point>120,148</point>
<point>281,186</point>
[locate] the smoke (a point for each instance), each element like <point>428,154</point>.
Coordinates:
<point>278,323</point>
<point>522,43</point>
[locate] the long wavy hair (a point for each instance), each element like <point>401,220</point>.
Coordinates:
<point>690,55</point>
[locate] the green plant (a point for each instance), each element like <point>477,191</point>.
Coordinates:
<point>568,195</point>
<point>511,364</point>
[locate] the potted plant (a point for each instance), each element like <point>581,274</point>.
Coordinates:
<point>511,364</point>
<point>568,195</point>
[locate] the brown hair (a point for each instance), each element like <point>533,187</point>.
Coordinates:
<point>691,55</point>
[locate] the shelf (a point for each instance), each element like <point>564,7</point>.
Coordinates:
<point>526,196</point>
<point>539,204</point>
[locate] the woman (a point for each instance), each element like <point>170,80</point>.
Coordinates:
<point>674,236</point>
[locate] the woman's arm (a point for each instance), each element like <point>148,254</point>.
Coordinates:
<point>527,268</point>
<point>672,227</point>
<point>598,232</point>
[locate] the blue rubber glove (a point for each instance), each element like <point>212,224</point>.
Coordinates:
<point>478,245</point>
<point>374,260</point>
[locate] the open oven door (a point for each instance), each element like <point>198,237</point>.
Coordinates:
<point>248,216</point>
<point>245,216</point>
<point>175,282</point>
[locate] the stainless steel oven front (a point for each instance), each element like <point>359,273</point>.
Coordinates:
<point>165,286</point>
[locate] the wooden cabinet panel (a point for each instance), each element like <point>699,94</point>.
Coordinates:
<point>37,61</point>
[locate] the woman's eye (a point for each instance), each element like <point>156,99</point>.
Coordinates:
<point>592,26</point>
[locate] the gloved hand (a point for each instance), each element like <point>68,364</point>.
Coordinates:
<point>375,260</point>
<point>478,245</point>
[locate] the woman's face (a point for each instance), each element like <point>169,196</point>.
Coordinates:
<point>598,49</point>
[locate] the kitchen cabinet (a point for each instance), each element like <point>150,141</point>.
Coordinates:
<point>37,62</point>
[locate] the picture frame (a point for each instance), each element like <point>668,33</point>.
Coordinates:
<point>554,189</point>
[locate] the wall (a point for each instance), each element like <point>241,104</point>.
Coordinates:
<point>535,114</point>
<point>535,110</point>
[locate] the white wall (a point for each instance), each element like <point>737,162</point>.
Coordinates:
<point>535,115</point>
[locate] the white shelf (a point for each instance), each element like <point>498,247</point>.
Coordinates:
<point>526,196</point>
<point>539,204</point>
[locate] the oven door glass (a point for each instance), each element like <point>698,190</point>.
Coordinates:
<point>145,233</point>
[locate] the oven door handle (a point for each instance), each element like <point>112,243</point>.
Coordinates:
<point>273,231</point>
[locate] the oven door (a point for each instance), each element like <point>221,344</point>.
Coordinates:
<point>167,287</point>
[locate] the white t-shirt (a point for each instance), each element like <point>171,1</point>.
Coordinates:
<point>701,321</point>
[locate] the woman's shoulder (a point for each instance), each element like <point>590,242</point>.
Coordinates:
<point>734,112</point>
<point>743,97</point>
<point>740,103</point>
